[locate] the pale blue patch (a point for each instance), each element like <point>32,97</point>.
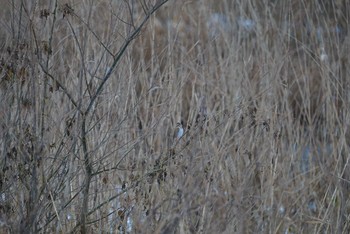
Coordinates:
<point>218,23</point>
<point>310,155</point>
<point>246,24</point>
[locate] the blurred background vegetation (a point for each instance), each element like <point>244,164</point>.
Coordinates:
<point>91,91</point>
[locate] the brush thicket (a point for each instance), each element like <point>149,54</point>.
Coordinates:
<point>261,90</point>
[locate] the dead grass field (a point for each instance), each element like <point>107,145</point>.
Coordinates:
<point>261,87</point>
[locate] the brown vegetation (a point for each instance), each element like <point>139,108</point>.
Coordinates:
<point>89,104</point>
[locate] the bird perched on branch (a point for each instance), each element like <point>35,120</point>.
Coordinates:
<point>179,131</point>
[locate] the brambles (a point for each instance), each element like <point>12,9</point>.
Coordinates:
<point>89,105</point>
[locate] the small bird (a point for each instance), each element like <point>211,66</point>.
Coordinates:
<point>179,131</point>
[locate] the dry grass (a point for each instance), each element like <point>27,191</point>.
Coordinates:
<point>262,89</point>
